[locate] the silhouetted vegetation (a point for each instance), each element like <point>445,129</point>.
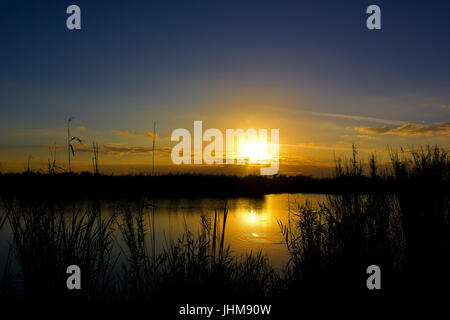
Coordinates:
<point>94,186</point>
<point>406,233</point>
<point>404,229</point>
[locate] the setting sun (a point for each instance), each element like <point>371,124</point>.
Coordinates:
<point>256,153</point>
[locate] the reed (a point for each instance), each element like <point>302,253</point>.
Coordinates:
<point>95,157</point>
<point>405,232</point>
<point>70,140</point>
<point>47,240</point>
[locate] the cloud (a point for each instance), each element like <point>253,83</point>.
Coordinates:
<point>146,134</point>
<point>81,127</point>
<point>445,106</point>
<point>365,136</point>
<point>118,149</point>
<point>157,137</point>
<point>114,149</point>
<point>311,145</point>
<point>410,129</point>
<point>124,133</point>
<point>357,118</point>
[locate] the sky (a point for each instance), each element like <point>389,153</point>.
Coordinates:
<point>308,68</point>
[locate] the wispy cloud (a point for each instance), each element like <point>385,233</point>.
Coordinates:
<point>124,133</point>
<point>113,149</point>
<point>365,136</point>
<point>157,137</point>
<point>118,149</point>
<point>311,145</point>
<point>410,129</point>
<point>356,118</point>
<point>146,134</point>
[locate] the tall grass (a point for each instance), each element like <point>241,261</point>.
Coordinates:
<point>137,279</point>
<point>47,241</point>
<point>95,150</point>
<point>424,202</point>
<point>406,233</point>
<point>6,278</point>
<point>189,264</point>
<point>48,238</point>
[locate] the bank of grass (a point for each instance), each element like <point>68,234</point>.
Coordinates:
<point>47,239</point>
<point>406,233</point>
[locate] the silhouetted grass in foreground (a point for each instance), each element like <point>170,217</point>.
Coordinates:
<point>406,233</point>
<point>47,240</point>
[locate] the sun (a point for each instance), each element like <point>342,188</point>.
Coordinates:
<point>256,153</point>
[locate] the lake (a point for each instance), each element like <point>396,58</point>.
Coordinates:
<point>252,223</point>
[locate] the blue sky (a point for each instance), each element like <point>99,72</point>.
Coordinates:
<point>231,63</point>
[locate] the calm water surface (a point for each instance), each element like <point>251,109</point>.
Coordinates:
<point>251,223</point>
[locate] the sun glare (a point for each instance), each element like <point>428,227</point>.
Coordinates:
<point>256,153</point>
<point>252,216</point>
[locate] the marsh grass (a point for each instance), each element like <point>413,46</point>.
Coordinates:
<point>137,277</point>
<point>189,264</point>
<point>424,203</point>
<point>6,278</point>
<point>47,240</point>
<point>6,285</point>
<point>405,233</point>
<point>330,244</point>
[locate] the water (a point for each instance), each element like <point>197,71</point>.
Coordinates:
<point>252,224</point>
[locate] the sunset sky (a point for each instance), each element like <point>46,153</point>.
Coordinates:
<point>312,70</point>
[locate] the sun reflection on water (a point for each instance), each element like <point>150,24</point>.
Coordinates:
<point>252,216</point>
